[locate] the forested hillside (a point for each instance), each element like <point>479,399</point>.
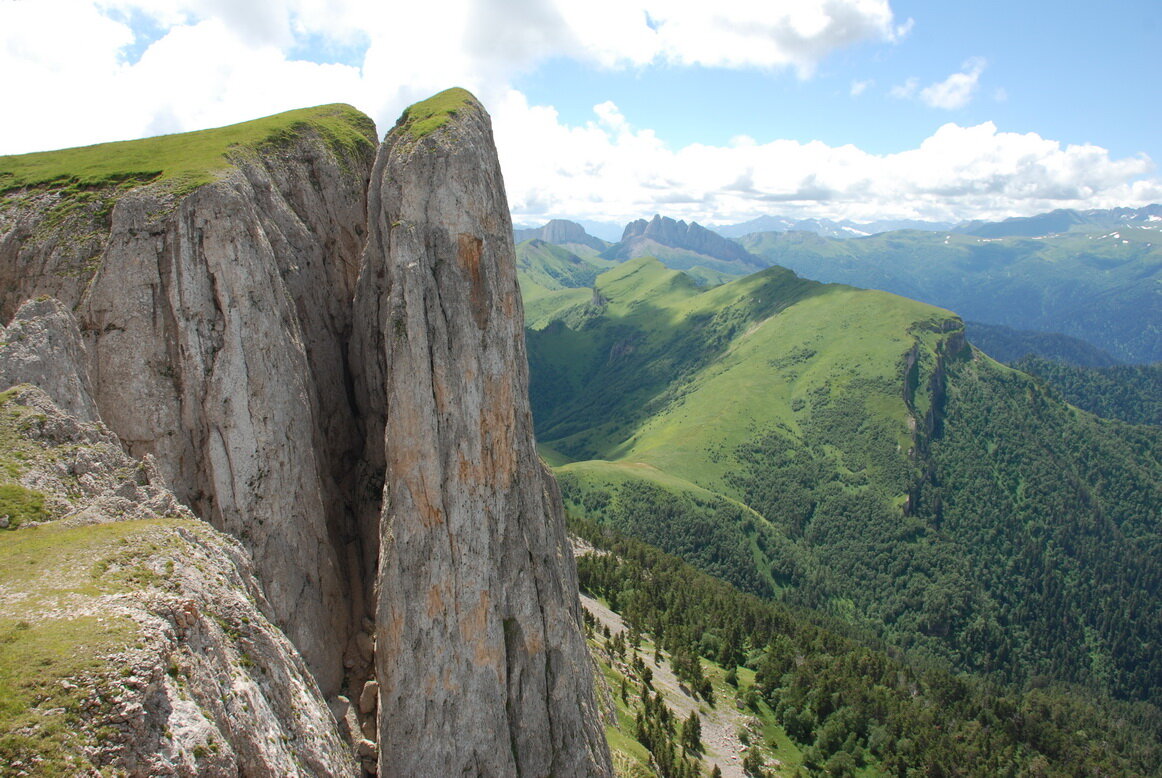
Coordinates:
<point>849,451</point>
<point>823,701</point>
<point>1131,393</point>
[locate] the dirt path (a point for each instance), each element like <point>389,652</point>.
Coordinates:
<point>720,725</point>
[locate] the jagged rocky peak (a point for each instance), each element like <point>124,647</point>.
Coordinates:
<point>481,664</point>
<point>678,234</point>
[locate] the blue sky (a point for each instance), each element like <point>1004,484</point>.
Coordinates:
<point>1084,75</point>
<point>611,110</point>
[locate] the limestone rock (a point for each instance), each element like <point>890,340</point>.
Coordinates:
<point>480,657</point>
<point>215,325</point>
<point>369,698</point>
<point>678,234</point>
<point>196,680</point>
<point>42,346</point>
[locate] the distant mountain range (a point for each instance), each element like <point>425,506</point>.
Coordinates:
<point>1093,275</point>
<point>827,227</point>
<point>1052,223</point>
<point>561,232</point>
<point>1062,221</point>
<point>1101,285</point>
<point>683,246</point>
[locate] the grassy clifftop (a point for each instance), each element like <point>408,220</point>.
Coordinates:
<point>429,115</point>
<point>191,157</point>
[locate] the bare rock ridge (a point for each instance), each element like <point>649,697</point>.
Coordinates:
<point>335,375</point>
<point>559,232</point>
<point>678,234</point>
<point>481,664</point>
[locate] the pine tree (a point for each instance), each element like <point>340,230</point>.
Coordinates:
<point>692,733</point>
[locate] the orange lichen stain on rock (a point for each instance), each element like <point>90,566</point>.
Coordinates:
<point>429,512</point>
<point>469,250</point>
<point>474,632</point>
<point>435,601</point>
<point>497,425</point>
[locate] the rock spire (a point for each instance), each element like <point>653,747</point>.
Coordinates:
<point>480,659</point>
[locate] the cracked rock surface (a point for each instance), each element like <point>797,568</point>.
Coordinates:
<point>481,663</point>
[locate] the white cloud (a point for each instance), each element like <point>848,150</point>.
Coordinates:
<point>905,90</point>
<point>212,62</point>
<point>607,169</point>
<point>741,33</point>
<point>859,87</point>
<point>75,78</point>
<point>957,90</point>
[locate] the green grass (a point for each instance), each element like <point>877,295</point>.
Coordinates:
<point>51,673</point>
<point>547,267</point>
<point>427,116</point>
<point>21,505</point>
<point>665,373</point>
<point>55,661</point>
<point>191,158</point>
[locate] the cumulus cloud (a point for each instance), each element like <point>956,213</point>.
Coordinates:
<point>129,68</point>
<point>957,90</point>
<point>245,58</point>
<point>952,93</point>
<point>859,87</point>
<point>608,169</point>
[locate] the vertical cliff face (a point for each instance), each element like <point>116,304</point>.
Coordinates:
<point>215,322</point>
<point>336,376</point>
<point>480,661</point>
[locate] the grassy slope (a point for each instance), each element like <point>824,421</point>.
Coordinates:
<point>793,398</point>
<point>758,369</point>
<point>660,388</point>
<point>55,661</point>
<point>190,158</point>
<point>429,115</point>
<point>548,267</point>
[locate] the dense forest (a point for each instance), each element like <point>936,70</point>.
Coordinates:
<point>1131,393</point>
<point>851,704</point>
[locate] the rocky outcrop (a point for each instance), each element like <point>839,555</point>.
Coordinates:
<point>690,237</point>
<point>374,458</point>
<point>145,634</point>
<point>481,665</point>
<point>215,323</point>
<point>42,346</point>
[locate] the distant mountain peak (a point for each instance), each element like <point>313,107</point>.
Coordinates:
<point>640,235</point>
<point>561,232</point>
